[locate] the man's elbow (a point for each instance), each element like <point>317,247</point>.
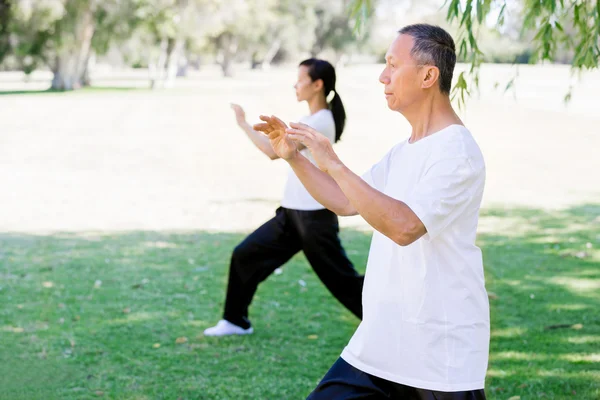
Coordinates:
<point>408,235</point>
<point>404,240</point>
<point>347,211</point>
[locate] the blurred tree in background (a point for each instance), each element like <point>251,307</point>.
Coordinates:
<point>63,35</point>
<point>553,30</point>
<point>167,36</point>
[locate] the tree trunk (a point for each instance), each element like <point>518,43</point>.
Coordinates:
<point>174,56</point>
<point>184,64</point>
<point>271,53</point>
<point>228,45</point>
<point>157,67</point>
<point>194,61</point>
<point>255,63</point>
<point>70,60</point>
<point>267,59</point>
<point>5,16</point>
<point>227,68</point>
<point>84,79</point>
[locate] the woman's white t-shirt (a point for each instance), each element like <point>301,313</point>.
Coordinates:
<point>426,317</point>
<point>295,195</point>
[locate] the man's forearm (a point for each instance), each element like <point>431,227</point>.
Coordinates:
<point>321,186</point>
<point>389,216</point>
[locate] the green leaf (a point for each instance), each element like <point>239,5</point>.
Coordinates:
<point>472,41</point>
<point>550,5</point>
<point>567,98</point>
<point>576,13</point>
<point>559,26</point>
<point>360,11</point>
<point>463,49</point>
<point>466,19</point>
<point>460,90</point>
<point>453,10</point>
<point>501,15</point>
<point>590,61</point>
<point>539,35</point>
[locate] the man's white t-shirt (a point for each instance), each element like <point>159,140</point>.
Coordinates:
<point>425,307</point>
<point>295,195</point>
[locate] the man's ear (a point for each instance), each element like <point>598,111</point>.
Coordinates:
<point>431,75</point>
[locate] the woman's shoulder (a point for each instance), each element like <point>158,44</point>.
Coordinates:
<point>321,121</point>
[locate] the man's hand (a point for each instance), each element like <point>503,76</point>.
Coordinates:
<point>275,128</point>
<point>319,146</point>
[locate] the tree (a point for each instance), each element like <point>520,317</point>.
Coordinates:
<point>279,35</point>
<point>262,30</point>
<point>162,35</point>
<point>556,24</point>
<point>63,33</point>
<point>167,30</point>
<point>290,28</point>
<point>5,17</point>
<point>249,26</point>
<point>115,22</point>
<point>334,28</point>
<point>72,43</point>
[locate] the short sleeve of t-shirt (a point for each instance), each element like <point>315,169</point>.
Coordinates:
<point>445,192</point>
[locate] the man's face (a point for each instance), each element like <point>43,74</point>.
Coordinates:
<point>401,76</point>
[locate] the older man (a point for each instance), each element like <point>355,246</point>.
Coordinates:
<point>425,328</point>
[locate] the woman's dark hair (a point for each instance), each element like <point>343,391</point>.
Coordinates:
<point>321,69</point>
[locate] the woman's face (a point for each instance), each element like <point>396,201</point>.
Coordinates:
<point>306,89</point>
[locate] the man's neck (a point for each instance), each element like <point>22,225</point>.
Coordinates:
<point>430,116</point>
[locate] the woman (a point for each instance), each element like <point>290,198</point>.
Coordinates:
<point>301,223</point>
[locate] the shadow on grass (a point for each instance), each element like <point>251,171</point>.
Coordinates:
<point>122,314</point>
<point>543,268</point>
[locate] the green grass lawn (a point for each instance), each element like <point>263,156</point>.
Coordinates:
<point>120,316</point>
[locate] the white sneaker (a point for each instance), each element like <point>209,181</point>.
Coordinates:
<point>225,328</point>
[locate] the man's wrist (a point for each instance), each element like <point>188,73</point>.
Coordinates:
<point>336,169</point>
<point>294,158</point>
